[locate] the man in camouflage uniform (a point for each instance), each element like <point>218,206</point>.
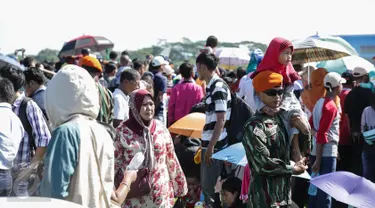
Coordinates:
<point>268,149</point>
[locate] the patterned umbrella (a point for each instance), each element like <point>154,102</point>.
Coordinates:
<point>316,49</point>
<point>231,58</point>
<point>94,43</point>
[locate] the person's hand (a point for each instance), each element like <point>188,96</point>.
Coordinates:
<point>219,185</point>
<point>298,122</point>
<point>300,166</point>
<point>315,167</point>
<point>129,176</point>
<point>208,155</point>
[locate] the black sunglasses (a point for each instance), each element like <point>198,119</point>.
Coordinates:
<point>274,92</point>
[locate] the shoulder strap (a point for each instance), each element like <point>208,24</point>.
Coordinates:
<point>22,114</point>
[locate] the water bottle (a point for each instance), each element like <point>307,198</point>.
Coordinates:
<point>312,189</point>
<point>198,205</point>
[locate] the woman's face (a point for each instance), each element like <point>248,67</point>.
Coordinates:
<point>229,198</point>
<point>147,109</point>
<point>272,97</point>
<point>285,56</point>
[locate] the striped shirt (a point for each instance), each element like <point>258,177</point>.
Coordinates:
<point>217,100</point>
<point>106,105</point>
<point>39,125</point>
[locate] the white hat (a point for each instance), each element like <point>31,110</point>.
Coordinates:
<point>333,80</point>
<point>360,71</point>
<point>168,69</point>
<point>158,61</point>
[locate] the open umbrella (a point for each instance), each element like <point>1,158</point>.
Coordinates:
<point>236,154</point>
<point>94,43</point>
<point>190,125</point>
<point>5,60</point>
<point>231,58</point>
<point>348,188</point>
<point>315,49</point>
<point>346,63</point>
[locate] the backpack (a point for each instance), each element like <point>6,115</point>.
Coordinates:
<point>22,114</point>
<point>240,114</point>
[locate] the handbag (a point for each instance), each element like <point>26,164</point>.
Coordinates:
<point>140,187</point>
<point>108,204</point>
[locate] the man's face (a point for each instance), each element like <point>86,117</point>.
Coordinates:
<point>130,86</point>
<point>202,71</point>
<point>272,97</point>
<point>30,88</point>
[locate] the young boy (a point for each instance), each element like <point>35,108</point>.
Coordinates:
<point>325,121</point>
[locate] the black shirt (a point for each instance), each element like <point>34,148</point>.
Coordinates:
<point>356,101</point>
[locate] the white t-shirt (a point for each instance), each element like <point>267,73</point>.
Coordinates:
<point>121,105</point>
<point>246,91</point>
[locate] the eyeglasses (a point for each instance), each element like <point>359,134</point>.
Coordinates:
<point>274,92</point>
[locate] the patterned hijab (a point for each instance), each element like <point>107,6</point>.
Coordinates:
<point>145,129</point>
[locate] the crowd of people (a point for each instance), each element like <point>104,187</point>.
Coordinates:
<point>78,134</point>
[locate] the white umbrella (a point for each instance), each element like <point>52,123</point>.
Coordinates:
<point>231,58</point>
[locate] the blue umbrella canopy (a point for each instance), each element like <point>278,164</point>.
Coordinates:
<point>6,60</point>
<point>346,63</point>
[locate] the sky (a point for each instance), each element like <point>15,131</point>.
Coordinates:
<point>133,24</point>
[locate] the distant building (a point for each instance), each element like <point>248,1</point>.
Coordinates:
<point>363,44</point>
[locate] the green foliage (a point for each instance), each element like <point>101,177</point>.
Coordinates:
<point>49,55</point>
<point>179,51</point>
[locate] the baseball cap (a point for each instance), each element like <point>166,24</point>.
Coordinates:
<point>92,62</point>
<point>168,69</point>
<point>333,80</point>
<point>360,71</point>
<point>348,76</point>
<point>158,61</point>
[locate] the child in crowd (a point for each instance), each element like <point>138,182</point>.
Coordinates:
<point>278,59</point>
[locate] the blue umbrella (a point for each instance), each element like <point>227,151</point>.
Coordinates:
<point>5,60</point>
<point>348,188</point>
<point>341,65</point>
<point>236,154</point>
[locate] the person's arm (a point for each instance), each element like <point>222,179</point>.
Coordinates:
<point>176,175</point>
<point>220,99</point>
<point>329,112</point>
<point>171,106</point>
<point>60,162</point>
<point>161,88</point>
<point>41,133</point>
<point>118,111</point>
<point>119,195</point>
<point>258,154</point>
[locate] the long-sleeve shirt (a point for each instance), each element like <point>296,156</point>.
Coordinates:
<point>40,131</point>
<point>183,97</point>
<point>325,120</point>
<point>267,150</point>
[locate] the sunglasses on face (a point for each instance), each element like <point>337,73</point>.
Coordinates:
<point>274,92</point>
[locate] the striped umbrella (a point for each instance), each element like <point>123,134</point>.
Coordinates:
<point>315,49</point>
<point>94,43</point>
